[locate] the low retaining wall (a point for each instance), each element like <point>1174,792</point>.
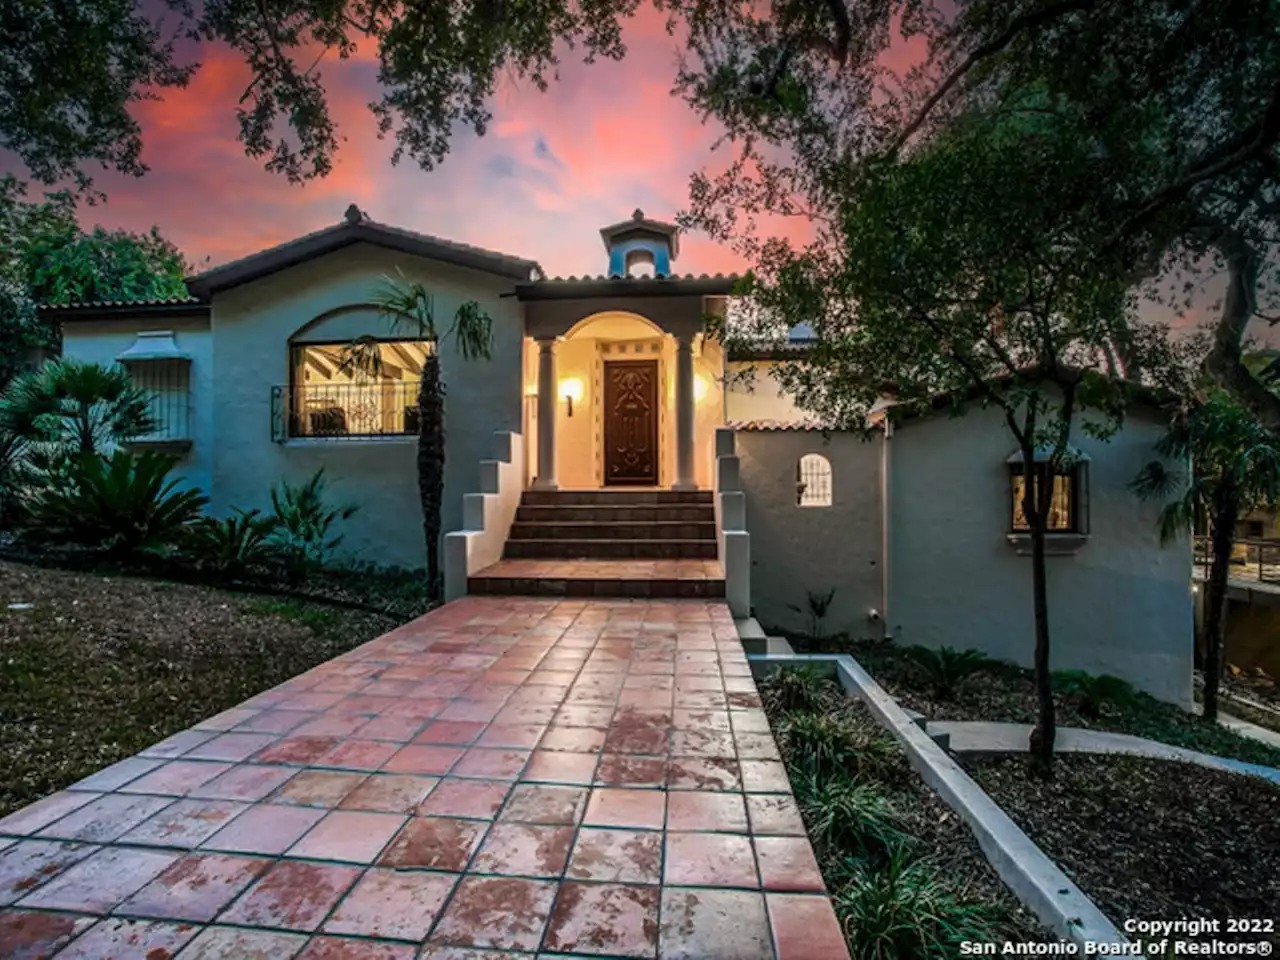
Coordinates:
<point>1034,878</point>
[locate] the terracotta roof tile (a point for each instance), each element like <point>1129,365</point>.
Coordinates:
<point>759,425</point>
<point>118,304</point>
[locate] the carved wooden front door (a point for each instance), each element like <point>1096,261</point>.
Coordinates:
<point>631,422</point>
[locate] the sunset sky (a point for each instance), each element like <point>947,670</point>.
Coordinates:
<point>552,169</point>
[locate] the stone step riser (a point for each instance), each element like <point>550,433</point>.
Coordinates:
<point>611,550</point>
<point>705,530</point>
<point>613,497</point>
<point>654,589</point>
<point>651,513</point>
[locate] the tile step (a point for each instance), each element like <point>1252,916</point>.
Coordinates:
<point>614,497</point>
<point>564,549</point>
<point>617,513</point>
<point>591,587</point>
<point>592,530</point>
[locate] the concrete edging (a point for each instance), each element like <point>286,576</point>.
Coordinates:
<point>1032,876</point>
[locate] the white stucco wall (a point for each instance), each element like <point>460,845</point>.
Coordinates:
<point>752,393</point>
<point>1122,605</point>
<point>796,549</point>
<point>252,327</point>
<point>101,341</point>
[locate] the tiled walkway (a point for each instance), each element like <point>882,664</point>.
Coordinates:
<point>503,778</point>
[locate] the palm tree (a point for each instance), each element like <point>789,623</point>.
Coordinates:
<point>74,407</point>
<point>1235,469</point>
<point>408,306</point>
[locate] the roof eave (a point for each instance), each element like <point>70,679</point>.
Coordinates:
<point>126,311</point>
<point>573,289</point>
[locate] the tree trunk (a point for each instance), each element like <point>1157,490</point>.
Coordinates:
<point>1046,728</point>
<point>1226,509</point>
<point>431,466</point>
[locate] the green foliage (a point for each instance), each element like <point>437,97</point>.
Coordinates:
<point>797,689</point>
<point>945,669</point>
<point>817,604</point>
<point>903,910</point>
<point>233,545</point>
<point>1093,693</point>
<point>303,523</point>
<point>73,407</point>
<point>845,814</point>
<point>125,505</point>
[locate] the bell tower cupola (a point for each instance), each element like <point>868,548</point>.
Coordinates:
<point>640,240</point>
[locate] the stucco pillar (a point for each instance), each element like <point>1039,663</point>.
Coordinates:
<point>684,414</point>
<point>546,478</point>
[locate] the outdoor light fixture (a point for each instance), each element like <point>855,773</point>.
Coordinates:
<point>571,390</point>
<point>699,389</point>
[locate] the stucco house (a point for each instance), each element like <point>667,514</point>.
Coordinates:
<point>606,449</point>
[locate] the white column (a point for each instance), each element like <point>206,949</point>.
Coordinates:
<point>684,414</point>
<point>546,478</point>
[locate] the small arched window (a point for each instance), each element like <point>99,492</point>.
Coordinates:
<point>813,481</point>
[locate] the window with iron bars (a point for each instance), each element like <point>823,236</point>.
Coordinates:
<point>167,384</point>
<point>813,481</point>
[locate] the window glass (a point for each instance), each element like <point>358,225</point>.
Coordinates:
<point>368,388</point>
<point>1062,505</point>
<point>813,481</point>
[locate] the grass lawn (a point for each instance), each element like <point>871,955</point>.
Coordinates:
<point>1006,693</point>
<point>95,668</point>
<point>1150,838</point>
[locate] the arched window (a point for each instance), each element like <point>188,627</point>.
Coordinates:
<point>813,481</point>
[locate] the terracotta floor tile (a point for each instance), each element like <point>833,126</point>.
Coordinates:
<point>348,948</point>
<point>176,778</point>
<point>349,836</point>
<point>114,938</point>
<point>230,943</point>
<point>196,887</point>
<point>106,818</point>
<point>525,713</point>
<point>703,743</point>
<point>501,912</point>
<point>43,812</point>
<point>231,746</point>
<point>27,864</point>
<point>318,788</point>
<point>764,776</point>
<point>623,770</point>
<point>358,755</point>
<point>478,799</point>
<point>450,732</point>
<point>420,758</point>
<point>393,729</point>
<point>685,719</point>
<point>292,896</point>
<point>583,717</point>
<point>396,904</point>
<point>709,860</point>
<point>620,856</point>
<point>228,718</point>
<point>706,924</point>
<point>756,746</point>
<point>177,744</point>
<point>775,814</point>
<point>787,864</point>
<point>707,811</point>
<point>749,721</point>
<point>573,739</point>
<point>805,928</point>
<point>299,750</point>
<point>272,721</point>
<point>480,711</point>
<point>550,766</point>
<point>517,735</point>
<point>538,803</point>
<point>118,774</point>
<point>244,781</point>
<point>98,883</point>
<point>27,934</point>
<point>434,843</point>
<point>184,823</point>
<point>620,807</point>
<point>524,850</point>
<point>389,793</point>
<point>703,773</point>
<point>604,918</point>
<point>491,763</point>
<point>264,828</point>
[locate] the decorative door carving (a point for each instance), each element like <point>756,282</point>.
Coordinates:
<point>631,422</point>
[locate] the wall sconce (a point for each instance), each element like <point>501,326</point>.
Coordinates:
<point>571,390</point>
<point>699,389</point>
<point>531,390</point>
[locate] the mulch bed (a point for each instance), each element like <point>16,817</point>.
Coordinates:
<point>1150,838</point>
<point>1006,693</point>
<point>100,667</point>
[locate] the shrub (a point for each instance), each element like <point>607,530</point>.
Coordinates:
<point>233,545</point>
<point>817,606</point>
<point>901,910</point>
<point>847,814</point>
<point>304,523</point>
<point>74,406</point>
<point>1092,693</point>
<point>797,688</point>
<point>944,670</point>
<point>124,505</point>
